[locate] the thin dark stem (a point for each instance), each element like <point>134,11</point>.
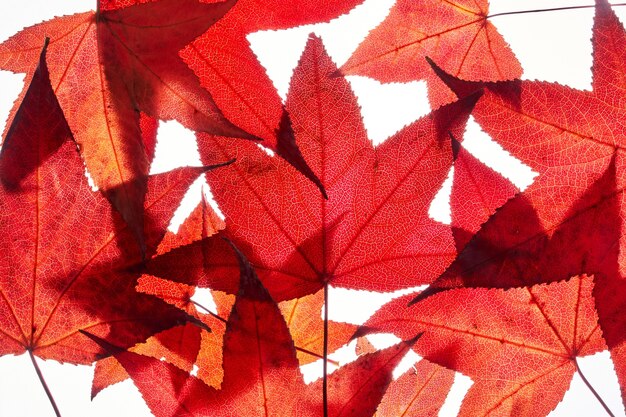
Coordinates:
<point>44,384</point>
<point>325,366</point>
<point>553,9</point>
<point>317,355</point>
<point>303,350</point>
<point>223,320</point>
<point>593,391</point>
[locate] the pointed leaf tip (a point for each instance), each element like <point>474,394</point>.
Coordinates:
<point>288,150</point>
<point>108,347</point>
<point>456,146</point>
<point>363,331</point>
<point>428,292</point>
<point>460,87</point>
<point>250,286</point>
<point>412,341</point>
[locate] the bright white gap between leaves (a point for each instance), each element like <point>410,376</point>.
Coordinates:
<point>557,49</point>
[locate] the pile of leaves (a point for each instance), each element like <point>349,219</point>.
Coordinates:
<point>519,285</point>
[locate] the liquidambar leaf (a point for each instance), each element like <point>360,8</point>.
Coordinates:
<point>106,66</point>
<point>68,260</point>
<point>457,35</point>
<point>260,367</point>
<point>372,233</point>
<point>519,346</point>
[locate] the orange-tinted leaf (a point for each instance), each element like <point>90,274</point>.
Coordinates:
<point>456,35</point>
<point>519,346</point>
<point>105,67</point>
<point>303,317</point>
<point>372,233</point>
<point>260,366</point>
<point>68,260</point>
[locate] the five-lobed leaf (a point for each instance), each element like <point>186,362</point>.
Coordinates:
<point>456,34</point>
<point>106,66</point>
<point>68,260</point>
<point>373,232</point>
<point>260,367</point>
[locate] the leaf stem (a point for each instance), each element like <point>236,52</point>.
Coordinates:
<point>44,384</point>
<point>325,359</point>
<point>553,9</point>
<point>220,318</point>
<point>593,391</point>
<point>303,350</point>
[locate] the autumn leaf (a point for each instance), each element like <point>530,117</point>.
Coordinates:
<point>372,233</point>
<point>106,66</point>
<point>260,365</point>
<point>306,325</point>
<point>182,346</point>
<point>69,260</point>
<point>568,222</point>
<point>455,34</point>
<point>519,346</point>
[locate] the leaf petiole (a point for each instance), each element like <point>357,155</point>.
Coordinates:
<point>303,350</point>
<point>553,9</point>
<point>44,384</point>
<point>593,391</point>
<point>325,359</point>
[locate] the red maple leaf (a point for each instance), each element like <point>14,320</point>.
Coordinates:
<point>455,34</point>
<point>179,345</point>
<point>187,345</point>
<point>231,72</point>
<point>372,233</point>
<point>519,346</point>
<point>108,65</point>
<point>69,261</point>
<point>260,365</point>
<point>228,68</point>
<point>569,221</point>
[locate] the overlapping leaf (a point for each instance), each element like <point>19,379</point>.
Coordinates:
<point>67,258</point>
<point>105,67</point>
<point>519,346</point>
<point>456,34</point>
<point>372,233</point>
<point>260,366</point>
<point>570,221</point>
<point>180,345</point>
<point>228,68</point>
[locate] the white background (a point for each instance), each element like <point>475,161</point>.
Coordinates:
<point>552,46</point>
